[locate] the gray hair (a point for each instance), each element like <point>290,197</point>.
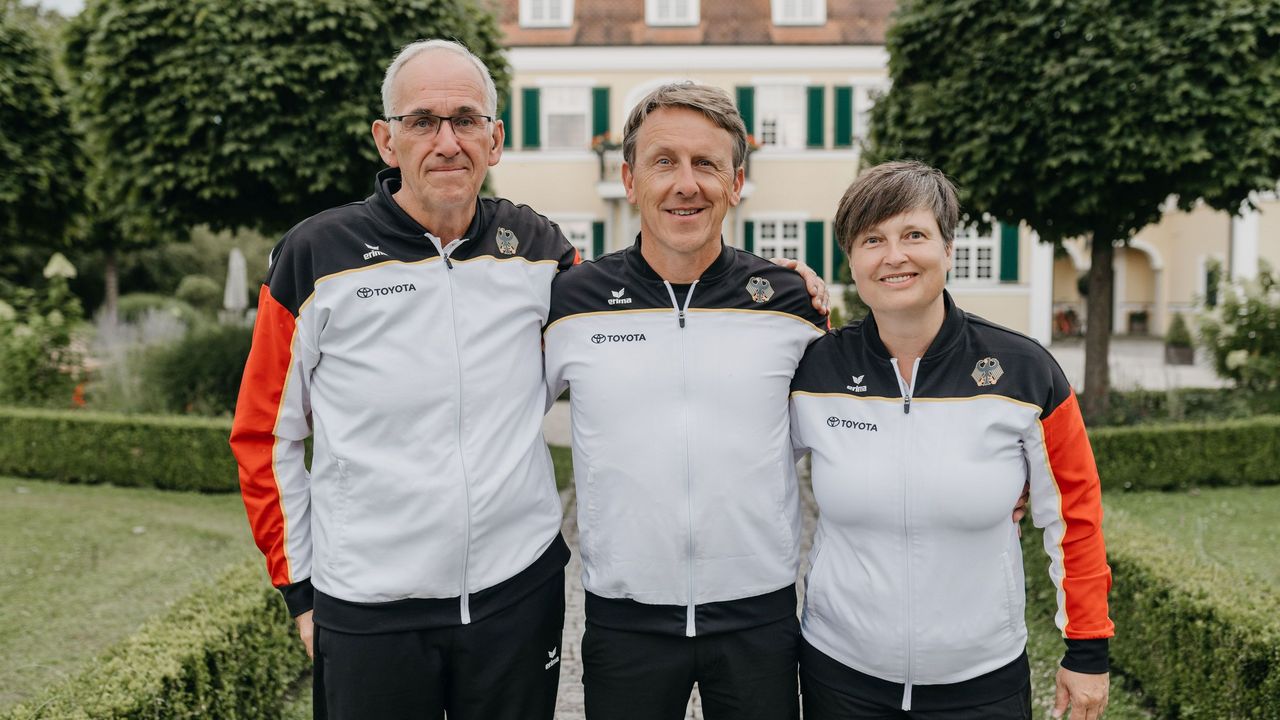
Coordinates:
<point>706,99</point>
<point>890,189</point>
<point>414,49</point>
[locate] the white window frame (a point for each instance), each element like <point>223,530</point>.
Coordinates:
<point>692,13</point>
<point>779,226</point>
<point>781,121</point>
<point>550,104</point>
<point>792,12</point>
<point>968,248</point>
<point>528,14</point>
<point>577,230</point>
<point>865,96</point>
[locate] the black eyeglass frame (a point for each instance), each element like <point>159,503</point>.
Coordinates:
<point>442,118</point>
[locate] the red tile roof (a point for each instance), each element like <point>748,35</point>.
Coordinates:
<point>723,22</point>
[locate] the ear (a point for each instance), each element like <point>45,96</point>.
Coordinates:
<point>739,179</point>
<point>497,138</point>
<point>950,248</point>
<point>382,141</point>
<point>628,182</point>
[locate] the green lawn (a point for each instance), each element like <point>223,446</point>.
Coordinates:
<point>1234,530</point>
<point>82,567</point>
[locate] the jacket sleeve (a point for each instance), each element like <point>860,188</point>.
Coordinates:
<point>273,418</point>
<point>1066,500</point>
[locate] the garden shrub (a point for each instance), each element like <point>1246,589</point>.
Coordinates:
<point>133,308</point>
<point>201,292</point>
<point>1168,457</point>
<point>1132,407</point>
<point>127,450</point>
<point>39,363</point>
<point>201,372</point>
<point>1196,651</point>
<point>1242,334</point>
<point>227,650</point>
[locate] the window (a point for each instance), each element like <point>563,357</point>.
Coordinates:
<point>974,256</point>
<point>566,118</point>
<point>779,238</point>
<point>579,234</point>
<point>780,111</point>
<point>799,12</point>
<point>546,13</point>
<point>864,98</point>
<point>671,12</point>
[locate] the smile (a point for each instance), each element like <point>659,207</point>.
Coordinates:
<point>685,213</point>
<point>897,279</point>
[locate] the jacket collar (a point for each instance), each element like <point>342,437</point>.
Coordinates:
<point>718,267</point>
<point>953,322</point>
<point>389,213</point>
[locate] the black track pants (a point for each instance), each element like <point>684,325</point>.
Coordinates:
<point>505,667</point>
<point>741,675</point>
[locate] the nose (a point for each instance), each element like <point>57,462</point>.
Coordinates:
<point>896,254</point>
<point>446,141</point>
<point>686,184</point>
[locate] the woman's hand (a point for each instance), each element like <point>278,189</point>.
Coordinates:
<point>1086,694</point>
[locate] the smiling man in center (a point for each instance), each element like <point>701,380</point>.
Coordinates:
<point>679,352</point>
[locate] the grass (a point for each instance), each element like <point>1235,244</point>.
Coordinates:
<point>82,567</point>
<point>1232,529</point>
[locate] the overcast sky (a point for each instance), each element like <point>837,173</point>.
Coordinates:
<point>66,7</point>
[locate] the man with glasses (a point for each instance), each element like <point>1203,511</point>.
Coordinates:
<point>404,331</point>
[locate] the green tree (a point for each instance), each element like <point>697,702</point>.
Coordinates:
<point>252,114</point>
<point>1082,118</point>
<point>40,187</point>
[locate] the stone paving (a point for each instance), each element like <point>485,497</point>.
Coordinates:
<point>569,702</point>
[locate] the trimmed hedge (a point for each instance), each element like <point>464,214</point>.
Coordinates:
<point>1195,651</point>
<point>1170,457</point>
<point>226,651</point>
<point>170,453</point>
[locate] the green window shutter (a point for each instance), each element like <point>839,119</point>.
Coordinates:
<point>747,107</point>
<point>599,111</point>
<point>838,261</point>
<point>597,239</point>
<point>504,102</point>
<point>532,119</point>
<point>844,116</point>
<point>1008,253</point>
<point>817,112</point>
<point>813,247</point>
<point>749,236</point>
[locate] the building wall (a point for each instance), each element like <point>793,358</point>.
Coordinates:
<point>1269,233</point>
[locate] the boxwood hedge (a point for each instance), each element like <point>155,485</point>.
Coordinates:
<point>226,651</point>
<point>1169,457</point>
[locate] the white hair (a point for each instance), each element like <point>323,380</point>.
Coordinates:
<point>414,49</point>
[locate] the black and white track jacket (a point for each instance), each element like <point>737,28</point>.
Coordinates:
<point>430,500</point>
<point>688,509</point>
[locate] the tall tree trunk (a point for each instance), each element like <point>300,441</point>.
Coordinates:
<point>111,279</point>
<point>1097,335</point>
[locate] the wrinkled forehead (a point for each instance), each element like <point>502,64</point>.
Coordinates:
<point>683,130</point>
<point>440,82</point>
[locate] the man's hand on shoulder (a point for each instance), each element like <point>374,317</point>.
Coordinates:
<point>306,631</point>
<point>817,288</point>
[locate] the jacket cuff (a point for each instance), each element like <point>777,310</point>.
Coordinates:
<point>1087,656</point>
<point>300,596</point>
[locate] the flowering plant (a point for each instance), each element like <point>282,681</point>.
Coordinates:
<point>603,143</point>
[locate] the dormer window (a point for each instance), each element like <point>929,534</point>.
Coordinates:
<point>799,12</point>
<point>671,12</point>
<point>546,13</point>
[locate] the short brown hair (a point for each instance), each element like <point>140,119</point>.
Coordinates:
<point>706,99</point>
<point>890,189</point>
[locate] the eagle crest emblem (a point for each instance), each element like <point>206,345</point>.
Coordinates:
<point>987,372</point>
<point>507,241</point>
<point>759,289</point>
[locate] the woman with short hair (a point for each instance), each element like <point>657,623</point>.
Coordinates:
<point>924,422</point>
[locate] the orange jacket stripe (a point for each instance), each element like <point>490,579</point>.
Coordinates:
<point>1087,577</point>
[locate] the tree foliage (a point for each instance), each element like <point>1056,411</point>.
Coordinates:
<point>1082,118</point>
<point>41,181</point>
<point>253,113</point>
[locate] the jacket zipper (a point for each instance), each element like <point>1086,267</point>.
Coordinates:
<point>464,600</point>
<point>690,615</point>
<point>907,390</point>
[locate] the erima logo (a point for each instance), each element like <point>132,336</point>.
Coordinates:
<point>373,253</point>
<point>617,298</point>
<point>554,657</point>
<point>367,292</point>
<point>836,422</point>
<point>857,385</point>
<point>600,338</point>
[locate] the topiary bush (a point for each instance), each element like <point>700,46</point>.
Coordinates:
<point>1169,457</point>
<point>201,292</point>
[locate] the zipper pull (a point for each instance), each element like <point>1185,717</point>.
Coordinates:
<point>906,404</point>
<point>682,318</point>
<point>447,262</point>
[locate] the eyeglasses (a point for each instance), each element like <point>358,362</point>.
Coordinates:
<point>427,125</point>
